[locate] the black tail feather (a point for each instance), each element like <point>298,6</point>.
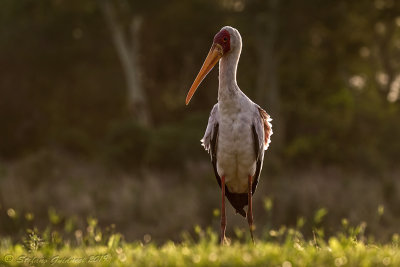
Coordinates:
<point>238,201</point>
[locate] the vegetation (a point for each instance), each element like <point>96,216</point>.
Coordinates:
<point>282,247</point>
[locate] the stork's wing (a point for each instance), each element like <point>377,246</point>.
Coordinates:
<point>210,143</point>
<point>262,131</point>
<point>211,131</point>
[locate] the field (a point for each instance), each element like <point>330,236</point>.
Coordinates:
<point>281,247</point>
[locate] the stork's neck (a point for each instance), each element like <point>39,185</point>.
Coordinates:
<point>228,88</point>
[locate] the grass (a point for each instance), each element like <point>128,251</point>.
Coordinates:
<point>282,247</point>
<point>63,242</point>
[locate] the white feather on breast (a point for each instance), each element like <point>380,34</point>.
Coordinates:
<point>236,158</point>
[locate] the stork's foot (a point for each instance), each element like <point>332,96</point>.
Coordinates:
<point>223,228</point>
<point>223,240</point>
<point>251,226</point>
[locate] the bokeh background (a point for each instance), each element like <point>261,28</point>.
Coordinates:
<point>93,121</point>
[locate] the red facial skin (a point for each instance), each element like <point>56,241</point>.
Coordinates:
<point>223,38</point>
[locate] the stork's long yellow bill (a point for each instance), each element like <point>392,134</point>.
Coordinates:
<point>212,58</point>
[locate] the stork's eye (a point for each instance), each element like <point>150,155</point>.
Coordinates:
<point>225,39</point>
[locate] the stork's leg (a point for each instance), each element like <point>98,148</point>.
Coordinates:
<point>250,207</point>
<point>223,216</point>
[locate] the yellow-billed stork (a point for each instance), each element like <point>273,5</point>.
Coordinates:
<point>238,130</point>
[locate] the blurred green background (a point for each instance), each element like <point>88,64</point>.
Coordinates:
<point>93,121</point>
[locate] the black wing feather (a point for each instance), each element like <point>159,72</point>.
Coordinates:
<point>259,151</point>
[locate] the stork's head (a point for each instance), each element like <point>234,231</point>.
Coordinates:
<point>226,41</point>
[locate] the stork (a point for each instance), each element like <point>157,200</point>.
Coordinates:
<point>238,130</point>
